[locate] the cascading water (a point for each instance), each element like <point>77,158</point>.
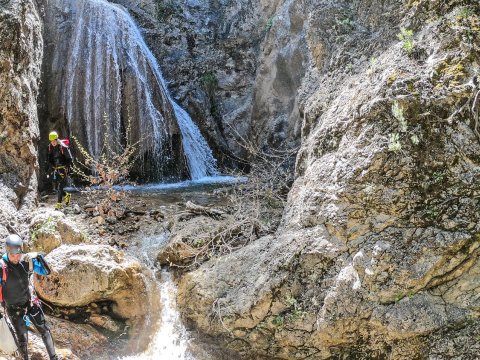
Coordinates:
<point>170,339</point>
<point>109,75</point>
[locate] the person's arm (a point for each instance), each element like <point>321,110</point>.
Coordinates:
<point>68,157</point>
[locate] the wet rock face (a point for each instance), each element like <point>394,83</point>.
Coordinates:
<point>20,60</point>
<point>235,66</point>
<point>100,84</point>
<point>378,251</point>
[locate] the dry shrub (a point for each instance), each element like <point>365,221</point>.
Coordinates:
<point>111,168</point>
<point>255,207</point>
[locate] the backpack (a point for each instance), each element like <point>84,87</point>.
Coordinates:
<point>64,147</point>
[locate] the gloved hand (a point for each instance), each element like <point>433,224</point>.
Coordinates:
<point>48,176</point>
<point>31,255</point>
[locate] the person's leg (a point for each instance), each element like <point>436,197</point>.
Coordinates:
<point>60,191</point>
<point>38,319</point>
<point>60,187</point>
<point>54,186</point>
<point>16,317</point>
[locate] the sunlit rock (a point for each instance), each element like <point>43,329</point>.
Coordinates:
<point>85,274</point>
<point>49,229</point>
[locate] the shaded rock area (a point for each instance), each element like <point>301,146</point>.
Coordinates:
<point>78,338</point>
<point>378,248</point>
<point>70,339</point>
<point>20,61</point>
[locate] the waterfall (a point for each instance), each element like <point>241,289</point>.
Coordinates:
<point>201,162</point>
<point>107,68</point>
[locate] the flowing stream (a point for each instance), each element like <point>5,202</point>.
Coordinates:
<point>170,340</point>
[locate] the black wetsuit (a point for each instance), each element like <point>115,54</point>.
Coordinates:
<point>58,163</point>
<point>16,295</point>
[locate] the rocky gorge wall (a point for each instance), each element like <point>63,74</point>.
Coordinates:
<point>377,254</point>
<point>21,49</point>
<point>223,68</point>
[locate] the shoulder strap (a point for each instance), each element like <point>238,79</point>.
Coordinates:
<point>4,270</point>
<point>30,265</point>
<point>4,278</point>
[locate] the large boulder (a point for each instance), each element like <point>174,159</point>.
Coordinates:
<point>190,240</point>
<point>86,274</point>
<point>379,248</point>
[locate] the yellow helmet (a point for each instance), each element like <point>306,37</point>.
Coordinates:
<point>53,136</point>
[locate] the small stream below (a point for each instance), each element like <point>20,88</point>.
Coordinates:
<point>170,340</point>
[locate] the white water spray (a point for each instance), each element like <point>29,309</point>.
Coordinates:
<point>170,339</point>
<point>110,70</point>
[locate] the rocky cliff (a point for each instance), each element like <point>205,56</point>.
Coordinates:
<point>222,66</point>
<point>21,49</point>
<point>377,254</point>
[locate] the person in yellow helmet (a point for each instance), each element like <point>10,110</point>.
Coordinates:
<point>59,160</point>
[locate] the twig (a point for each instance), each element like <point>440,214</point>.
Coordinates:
<point>475,114</point>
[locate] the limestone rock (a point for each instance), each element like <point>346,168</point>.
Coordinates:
<point>190,236</point>
<point>84,274</point>
<point>50,229</point>
<point>81,340</point>
<point>21,50</point>
<point>177,253</point>
<point>379,244</point>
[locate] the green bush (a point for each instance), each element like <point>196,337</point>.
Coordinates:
<point>209,83</point>
<point>406,37</point>
<point>394,143</point>
<point>397,112</point>
<point>269,24</point>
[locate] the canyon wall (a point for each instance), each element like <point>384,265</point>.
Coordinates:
<point>21,50</point>
<point>377,254</point>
